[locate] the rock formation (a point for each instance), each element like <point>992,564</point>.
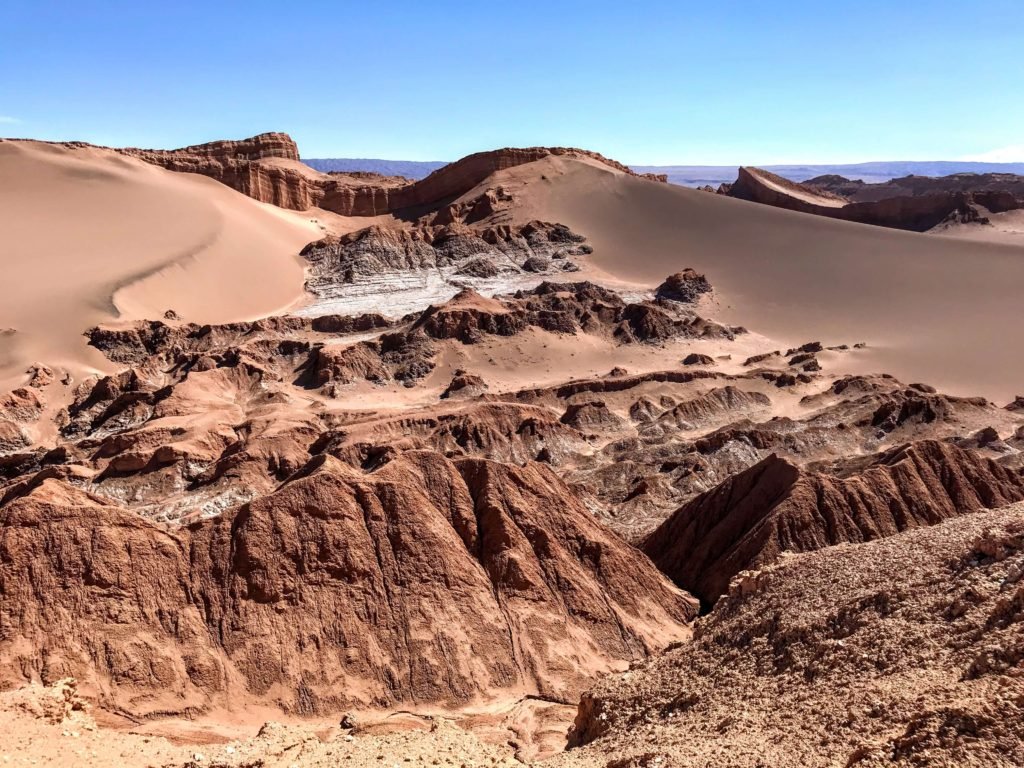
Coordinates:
<point>425,581</point>
<point>686,286</point>
<point>563,308</point>
<point>457,250</point>
<point>267,168</point>
<point>914,203</point>
<point>754,516</point>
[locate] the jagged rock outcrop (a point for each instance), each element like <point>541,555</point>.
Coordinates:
<point>267,168</point>
<point>306,352</point>
<point>915,405</point>
<point>538,264</point>
<point>402,356</point>
<point>722,401</point>
<point>76,572</point>
<point>464,384</point>
<point>591,416</point>
<point>686,286</point>
<point>260,147</point>
<point>754,516</point>
<point>19,408</point>
<point>773,358</point>
<point>425,581</point>
<point>170,342</point>
<point>563,308</point>
<point>460,250</point>
<point>498,431</point>
<point>480,268</point>
<point>918,205</point>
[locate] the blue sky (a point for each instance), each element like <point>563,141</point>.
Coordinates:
<point>657,82</point>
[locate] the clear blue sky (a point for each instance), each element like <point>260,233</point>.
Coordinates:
<point>656,82</point>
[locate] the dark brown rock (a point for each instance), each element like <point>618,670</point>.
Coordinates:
<point>695,358</point>
<point>686,286</point>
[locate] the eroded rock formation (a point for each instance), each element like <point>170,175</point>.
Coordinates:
<point>267,168</point>
<point>914,203</point>
<point>754,516</point>
<point>459,251</point>
<point>426,580</point>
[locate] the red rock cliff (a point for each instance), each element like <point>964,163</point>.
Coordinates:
<point>426,581</point>
<point>266,168</point>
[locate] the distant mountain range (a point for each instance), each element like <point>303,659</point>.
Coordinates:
<point>872,173</point>
<point>699,175</point>
<point>411,169</point>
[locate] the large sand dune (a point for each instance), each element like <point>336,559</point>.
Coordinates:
<point>932,309</point>
<point>90,235</point>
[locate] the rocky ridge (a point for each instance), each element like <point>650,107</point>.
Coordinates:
<point>379,260</point>
<point>753,517</point>
<point>913,203</point>
<point>252,166</point>
<point>330,592</point>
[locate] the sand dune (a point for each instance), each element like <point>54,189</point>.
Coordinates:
<point>107,236</point>
<point>1005,227</point>
<point>931,308</point>
<point>89,235</point>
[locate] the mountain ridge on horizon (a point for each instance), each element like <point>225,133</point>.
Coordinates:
<point>699,175</point>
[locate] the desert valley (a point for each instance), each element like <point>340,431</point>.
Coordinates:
<point>534,460</point>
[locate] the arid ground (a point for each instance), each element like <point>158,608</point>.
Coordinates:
<point>535,460</point>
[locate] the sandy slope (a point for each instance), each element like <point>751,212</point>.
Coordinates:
<point>932,308</point>
<point>1005,227</point>
<point>104,234</point>
<point>89,234</point>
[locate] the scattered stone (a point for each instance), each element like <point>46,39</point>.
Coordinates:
<point>536,264</point>
<point>809,347</point>
<point>480,267</point>
<point>695,358</point>
<point>1017,404</point>
<point>464,384</point>
<point>40,376</point>
<point>761,358</point>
